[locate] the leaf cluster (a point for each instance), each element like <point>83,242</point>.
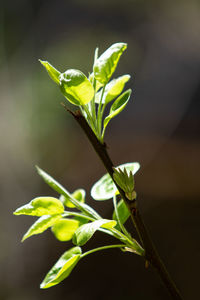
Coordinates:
<point>93,93</point>
<point>68,216</point>
<point>79,224</point>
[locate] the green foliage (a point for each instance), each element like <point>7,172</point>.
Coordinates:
<point>117,107</point>
<point>106,64</point>
<point>126,182</point>
<point>78,195</point>
<point>105,188</point>
<point>53,73</point>
<point>79,224</point>
<point>41,225</point>
<point>62,268</point>
<point>41,206</point>
<point>83,92</point>
<point>64,229</point>
<point>123,213</point>
<point>86,231</point>
<point>61,190</point>
<point>76,87</point>
<point>113,89</point>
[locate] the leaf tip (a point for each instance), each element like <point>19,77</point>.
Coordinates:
<point>38,169</point>
<point>42,61</point>
<point>23,239</point>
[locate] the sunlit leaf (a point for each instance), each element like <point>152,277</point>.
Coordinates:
<point>78,195</point>
<point>64,229</point>
<point>81,220</point>
<point>86,231</point>
<point>98,84</point>
<point>117,107</point>
<point>41,206</point>
<point>61,190</point>
<point>113,89</point>
<point>62,268</point>
<point>123,213</point>
<point>76,87</point>
<point>41,225</point>
<point>53,73</point>
<point>106,64</point>
<point>105,188</point>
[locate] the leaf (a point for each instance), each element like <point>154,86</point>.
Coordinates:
<point>105,188</point>
<point>41,225</point>
<point>64,229</point>
<point>106,64</point>
<point>86,231</point>
<point>123,213</point>
<point>113,89</point>
<point>98,84</point>
<point>78,195</point>
<point>53,73</point>
<point>61,190</point>
<point>81,220</point>
<point>76,87</point>
<point>62,268</point>
<point>117,107</point>
<point>41,206</point>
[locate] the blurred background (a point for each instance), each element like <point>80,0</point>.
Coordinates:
<point>160,129</point>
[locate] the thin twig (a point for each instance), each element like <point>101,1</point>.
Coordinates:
<point>151,254</point>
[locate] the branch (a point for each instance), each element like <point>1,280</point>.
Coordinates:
<point>151,254</point>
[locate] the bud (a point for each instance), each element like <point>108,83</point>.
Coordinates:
<point>125,181</point>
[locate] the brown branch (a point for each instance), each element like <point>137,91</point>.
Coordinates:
<point>151,254</point>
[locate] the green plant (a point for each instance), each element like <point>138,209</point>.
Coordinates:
<point>92,95</point>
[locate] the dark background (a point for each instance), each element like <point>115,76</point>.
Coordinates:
<point>160,128</point>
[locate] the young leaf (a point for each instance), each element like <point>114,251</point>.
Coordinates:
<point>53,73</point>
<point>76,87</point>
<point>117,107</point>
<point>86,231</point>
<point>98,84</point>
<point>105,188</point>
<point>62,268</point>
<point>61,190</point>
<point>106,64</point>
<point>64,229</point>
<point>78,195</point>
<point>113,89</point>
<point>123,213</point>
<point>41,225</point>
<point>41,206</point>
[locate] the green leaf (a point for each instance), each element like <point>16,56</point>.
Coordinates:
<point>105,188</point>
<point>86,231</point>
<point>61,190</point>
<point>79,195</point>
<point>106,64</point>
<point>113,89</point>
<point>123,213</point>
<point>98,84</point>
<point>76,87</point>
<point>41,206</point>
<point>62,268</point>
<point>117,107</point>
<point>41,225</point>
<point>53,73</point>
<point>64,229</point>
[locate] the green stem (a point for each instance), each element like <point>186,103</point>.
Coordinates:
<point>99,114</point>
<point>75,214</point>
<point>93,108</point>
<point>102,248</point>
<point>118,218</point>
